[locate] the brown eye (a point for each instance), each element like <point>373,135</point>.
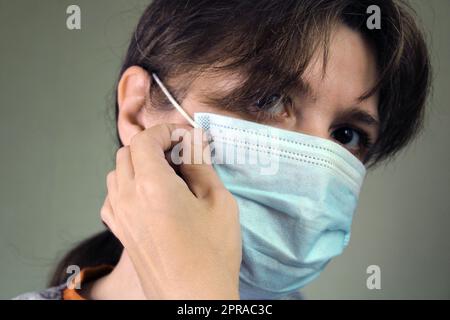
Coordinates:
<point>347,136</point>
<point>350,138</point>
<point>266,103</point>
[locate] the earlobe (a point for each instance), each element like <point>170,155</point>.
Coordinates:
<point>132,96</point>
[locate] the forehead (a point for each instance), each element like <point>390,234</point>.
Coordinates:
<point>350,71</point>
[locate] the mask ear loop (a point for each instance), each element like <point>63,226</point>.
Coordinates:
<point>174,102</point>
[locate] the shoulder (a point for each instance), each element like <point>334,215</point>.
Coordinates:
<point>53,293</point>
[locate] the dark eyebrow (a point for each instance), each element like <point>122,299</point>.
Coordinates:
<point>358,115</point>
<point>354,113</point>
<point>305,89</point>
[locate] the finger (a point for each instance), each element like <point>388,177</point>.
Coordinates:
<point>107,215</point>
<point>149,146</point>
<point>196,169</point>
<point>124,167</point>
<point>112,186</point>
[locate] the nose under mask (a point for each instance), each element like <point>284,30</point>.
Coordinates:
<point>296,195</point>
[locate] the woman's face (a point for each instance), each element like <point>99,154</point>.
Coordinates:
<point>328,106</point>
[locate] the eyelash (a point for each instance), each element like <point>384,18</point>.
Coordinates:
<point>269,114</point>
<point>365,140</point>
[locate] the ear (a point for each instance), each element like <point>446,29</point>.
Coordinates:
<point>133,93</point>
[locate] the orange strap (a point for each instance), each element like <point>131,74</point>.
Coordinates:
<point>86,275</point>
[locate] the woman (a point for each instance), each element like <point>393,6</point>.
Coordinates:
<point>334,95</point>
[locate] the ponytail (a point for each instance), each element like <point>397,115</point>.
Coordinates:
<point>101,248</point>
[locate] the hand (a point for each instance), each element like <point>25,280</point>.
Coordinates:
<point>181,233</point>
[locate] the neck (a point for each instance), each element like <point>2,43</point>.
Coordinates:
<point>120,284</point>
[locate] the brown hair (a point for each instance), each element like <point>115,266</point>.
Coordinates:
<point>270,43</point>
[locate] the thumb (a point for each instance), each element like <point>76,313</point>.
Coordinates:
<point>196,168</point>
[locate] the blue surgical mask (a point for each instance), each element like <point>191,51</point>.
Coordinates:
<point>296,195</point>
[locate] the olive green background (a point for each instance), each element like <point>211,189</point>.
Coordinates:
<point>57,143</point>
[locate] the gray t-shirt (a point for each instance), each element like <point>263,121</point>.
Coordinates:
<point>56,293</point>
